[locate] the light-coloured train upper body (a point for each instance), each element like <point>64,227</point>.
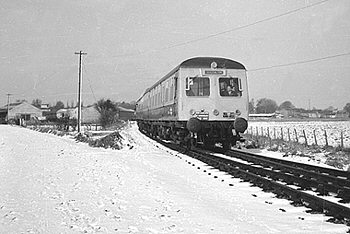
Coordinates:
<point>208,88</point>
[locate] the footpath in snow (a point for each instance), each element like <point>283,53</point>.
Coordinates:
<point>51,184</point>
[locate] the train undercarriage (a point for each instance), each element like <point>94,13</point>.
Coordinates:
<point>204,133</point>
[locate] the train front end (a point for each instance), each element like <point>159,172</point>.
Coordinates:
<point>214,100</point>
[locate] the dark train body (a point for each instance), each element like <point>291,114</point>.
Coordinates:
<point>202,100</point>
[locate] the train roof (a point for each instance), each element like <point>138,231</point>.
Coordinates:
<point>205,62</point>
<point>200,62</point>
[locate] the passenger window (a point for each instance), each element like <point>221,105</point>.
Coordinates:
<point>197,86</point>
<point>230,87</point>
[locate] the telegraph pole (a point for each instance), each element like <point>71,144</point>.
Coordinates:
<point>79,89</point>
<point>8,106</point>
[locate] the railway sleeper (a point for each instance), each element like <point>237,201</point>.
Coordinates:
<point>305,170</point>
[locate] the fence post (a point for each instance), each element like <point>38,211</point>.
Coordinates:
<point>341,139</point>
<point>326,138</point>
<point>315,137</point>
<point>268,135</point>
<point>274,133</point>
<point>288,134</point>
<point>296,135</point>
<point>281,133</point>
<point>262,136</point>
<point>305,137</point>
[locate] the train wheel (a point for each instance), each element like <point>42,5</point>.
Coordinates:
<point>207,143</point>
<point>188,144</point>
<point>194,142</point>
<point>226,145</point>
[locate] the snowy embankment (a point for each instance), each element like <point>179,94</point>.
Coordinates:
<point>51,184</point>
<point>332,133</point>
<point>288,139</point>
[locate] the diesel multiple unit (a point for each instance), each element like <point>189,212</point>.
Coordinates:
<point>203,100</point>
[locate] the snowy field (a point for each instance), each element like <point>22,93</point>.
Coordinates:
<point>332,128</point>
<point>52,184</point>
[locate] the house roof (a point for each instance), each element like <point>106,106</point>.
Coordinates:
<point>125,110</point>
<point>16,104</point>
<point>10,106</point>
<point>263,115</point>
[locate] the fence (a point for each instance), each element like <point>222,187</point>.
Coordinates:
<point>66,127</point>
<point>315,137</point>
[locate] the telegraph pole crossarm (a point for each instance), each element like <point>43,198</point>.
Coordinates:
<point>79,89</point>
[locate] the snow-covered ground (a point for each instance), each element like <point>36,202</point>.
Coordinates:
<point>332,128</point>
<point>51,184</point>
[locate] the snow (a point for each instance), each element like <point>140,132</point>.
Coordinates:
<point>318,159</point>
<point>333,129</point>
<point>52,184</point>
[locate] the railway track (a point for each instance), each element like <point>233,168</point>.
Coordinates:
<point>323,190</point>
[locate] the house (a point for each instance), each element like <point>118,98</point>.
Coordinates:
<point>89,114</point>
<point>64,113</point>
<point>342,114</point>
<point>20,110</point>
<point>45,107</point>
<point>125,114</point>
<point>328,114</point>
<point>314,114</point>
<point>263,116</point>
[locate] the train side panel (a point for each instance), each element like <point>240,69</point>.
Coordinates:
<point>160,102</point>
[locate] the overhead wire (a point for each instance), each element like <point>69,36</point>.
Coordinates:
<point>87,77</point>
<point>299,62</point>
<point>223,32</point>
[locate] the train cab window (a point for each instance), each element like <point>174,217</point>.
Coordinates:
<point>197,86</point>
<point>230,87</point>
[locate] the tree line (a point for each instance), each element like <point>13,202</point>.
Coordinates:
<point>266,105</point>
<point>60,105</point>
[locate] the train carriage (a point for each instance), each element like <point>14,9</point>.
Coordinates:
<point>203,100</point>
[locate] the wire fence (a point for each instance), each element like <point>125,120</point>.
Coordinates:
<point>301,136</point>
<point>66,127</point>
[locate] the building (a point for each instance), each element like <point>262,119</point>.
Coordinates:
<point>20,110</point>
<point>264,116</point>
<point>71,113</point>
<point>342,114</point>
<point>125,114</point>
<point>89,114</point>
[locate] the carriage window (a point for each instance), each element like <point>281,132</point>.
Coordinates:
<point>197,86</point>
<point>230,87</point>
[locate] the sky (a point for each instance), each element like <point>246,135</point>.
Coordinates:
<point>131,44</point>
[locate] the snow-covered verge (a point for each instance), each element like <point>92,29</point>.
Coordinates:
<point>53,184</point>
<point>319,155</point>
<point>335,130</point>
<point>329,156</point>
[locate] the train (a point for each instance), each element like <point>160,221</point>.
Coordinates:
<point>203,100</point>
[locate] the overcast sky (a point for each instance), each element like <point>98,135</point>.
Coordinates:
<point>131,44</point>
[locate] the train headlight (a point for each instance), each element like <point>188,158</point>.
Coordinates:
<point>192,112</point>
<point>238,112</point>
<point>216,112</point>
